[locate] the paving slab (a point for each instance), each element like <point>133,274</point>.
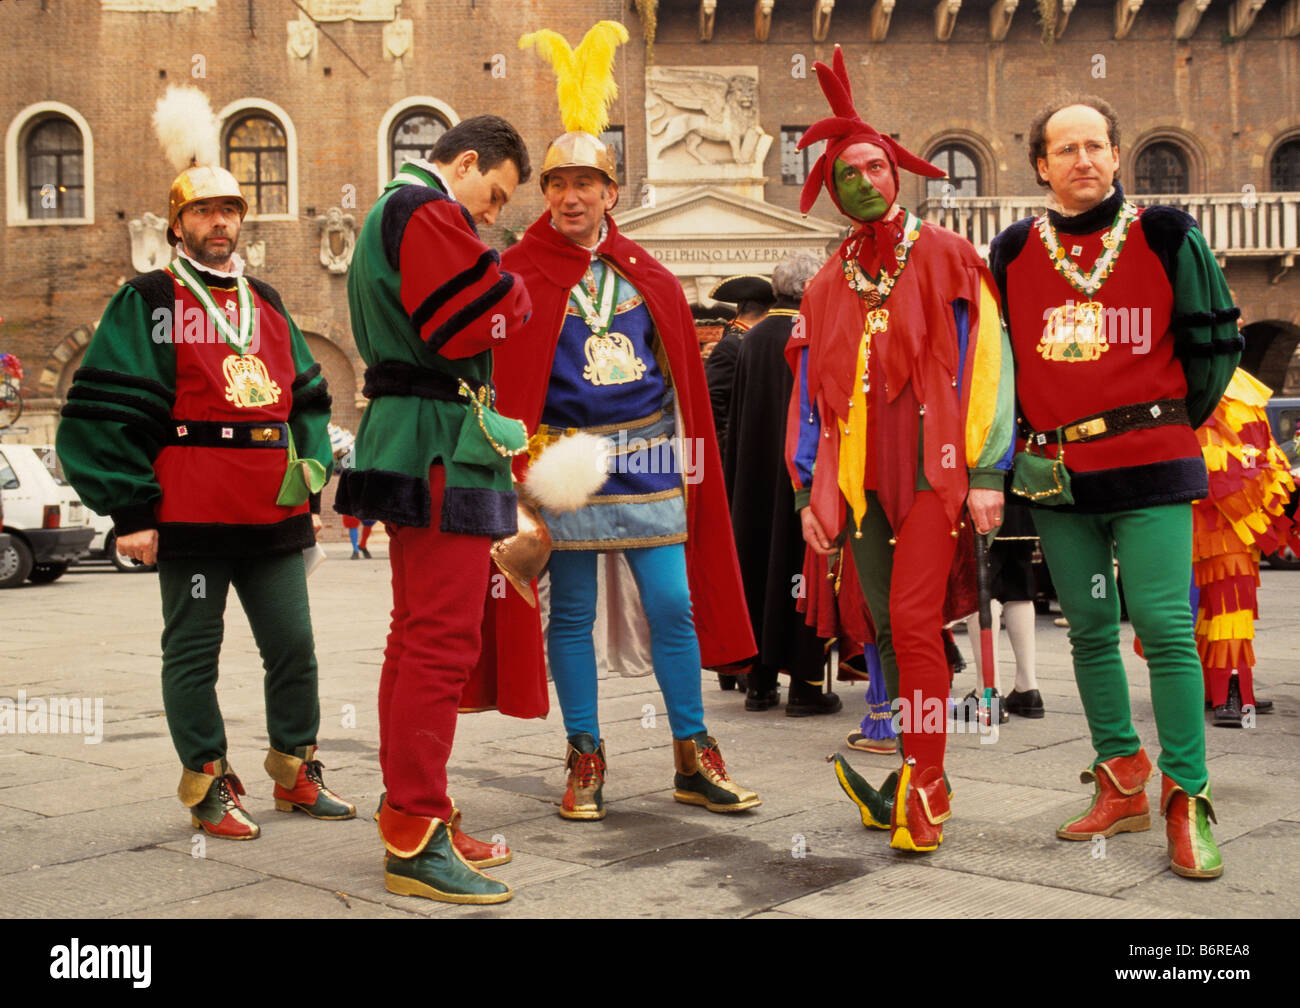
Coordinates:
<point>920,892</point>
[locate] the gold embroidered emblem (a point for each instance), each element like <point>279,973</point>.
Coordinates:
<point>250,383</point>
<point>611,360</point>
<point>877,321</point>
<point>1074,333</point>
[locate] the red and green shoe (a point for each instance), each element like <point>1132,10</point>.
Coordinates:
<point>213,800</point>
<point>1192,850</point>
<point>300,785</point>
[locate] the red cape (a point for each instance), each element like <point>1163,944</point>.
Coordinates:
<point>549,265</point>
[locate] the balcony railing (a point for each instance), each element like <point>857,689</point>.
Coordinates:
<point>1235,224</point>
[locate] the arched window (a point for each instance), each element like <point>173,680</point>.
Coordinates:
<point>1161,168</point>
<point>962,168</point>
<point>55,179</point>
<point>49,149</point>
<point>413,135</point>
<point>257,154</point>
<point>1284,170</point>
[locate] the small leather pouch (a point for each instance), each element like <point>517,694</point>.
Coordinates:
<point>1040,479</point>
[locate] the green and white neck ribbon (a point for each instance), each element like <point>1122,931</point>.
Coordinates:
<point>598,317</point>
<point>1112,242</point>
<point>239,340</point>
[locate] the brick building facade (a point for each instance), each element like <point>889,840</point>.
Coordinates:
<point>1208,99</point>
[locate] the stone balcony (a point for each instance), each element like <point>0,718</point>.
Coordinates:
<point>1236,225</point>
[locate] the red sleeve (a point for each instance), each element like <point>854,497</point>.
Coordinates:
<point>466,303</point>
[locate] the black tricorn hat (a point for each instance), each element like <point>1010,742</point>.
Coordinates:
<point>739,289</point>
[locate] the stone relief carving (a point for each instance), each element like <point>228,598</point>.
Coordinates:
<point>149,248</point>
<point>302,37</point>
<point>338,238</point>
<point>255,254</point>
<point>692,105</point>
<point>398,38</point>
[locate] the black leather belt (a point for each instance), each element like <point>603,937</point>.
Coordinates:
<point>1121,420</point>
<point>398,378</point>
<point>229,434</point>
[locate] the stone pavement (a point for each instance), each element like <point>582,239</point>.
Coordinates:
<point>94,830</point>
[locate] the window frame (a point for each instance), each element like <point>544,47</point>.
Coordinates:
<point>16,137</point>
<point>1288,140</point>
<point>383,150</point>
<point>973,154</point>
<point>237,111</point>
<point>1173,143</point>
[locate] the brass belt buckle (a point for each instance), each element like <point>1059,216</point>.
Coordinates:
<point>1089,428</point>
<point>265,434</point>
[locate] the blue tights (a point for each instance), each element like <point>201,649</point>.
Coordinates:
<point>660,574</point>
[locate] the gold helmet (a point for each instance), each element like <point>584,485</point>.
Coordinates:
<point>191,140</point>
<point>201,182</point>
<point>584,86</point>
<point>579,150</point>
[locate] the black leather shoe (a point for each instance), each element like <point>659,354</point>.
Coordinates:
<point>1027,704</point>
<point>969,708</point>
<point>807,700</point>
<point>1228,715</point>
<point>1263,706</point>
<point>761,699</point>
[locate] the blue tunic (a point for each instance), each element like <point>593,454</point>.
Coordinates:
<point>613,385</point>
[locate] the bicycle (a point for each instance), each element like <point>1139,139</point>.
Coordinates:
<point>11,397</point>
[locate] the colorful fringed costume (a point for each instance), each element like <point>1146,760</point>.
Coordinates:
<point>1239,521</point>
<point>901,405</point>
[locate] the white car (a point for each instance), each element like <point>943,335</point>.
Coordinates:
<point>43,517</point>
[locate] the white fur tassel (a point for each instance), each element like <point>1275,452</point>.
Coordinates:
<point>187,128</point>
<point>569,471</point>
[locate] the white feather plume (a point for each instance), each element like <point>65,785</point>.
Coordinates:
<point>186,127</point>
<point>569,471</point>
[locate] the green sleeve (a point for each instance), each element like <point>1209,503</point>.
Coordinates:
<point>309,416</point>
<point>118,414</point>
<point>1205,326</point>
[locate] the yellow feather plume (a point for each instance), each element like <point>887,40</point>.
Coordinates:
<point>584,77</point>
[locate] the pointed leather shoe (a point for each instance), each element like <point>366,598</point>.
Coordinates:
<point>875,806</point>
<point>920,809</point>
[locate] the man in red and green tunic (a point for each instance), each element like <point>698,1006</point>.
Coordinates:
<point>429,302</point>
<point>1124,336</point>
<point>198,421</point>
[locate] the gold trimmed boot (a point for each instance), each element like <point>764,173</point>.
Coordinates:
<point>1119,803</point>
<point>584,791</point>
<point>702,779</point>
<point>299,785</point>
<point>422,861</point>
<point>212,796</point>
<point>1191,847</point>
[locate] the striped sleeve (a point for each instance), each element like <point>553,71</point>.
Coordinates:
<point>459,299</point>
<point>987,391</point>
<point>118,413</point>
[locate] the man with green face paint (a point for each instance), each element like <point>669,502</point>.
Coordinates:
<point>899,424</point>
<point>855,194</point>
